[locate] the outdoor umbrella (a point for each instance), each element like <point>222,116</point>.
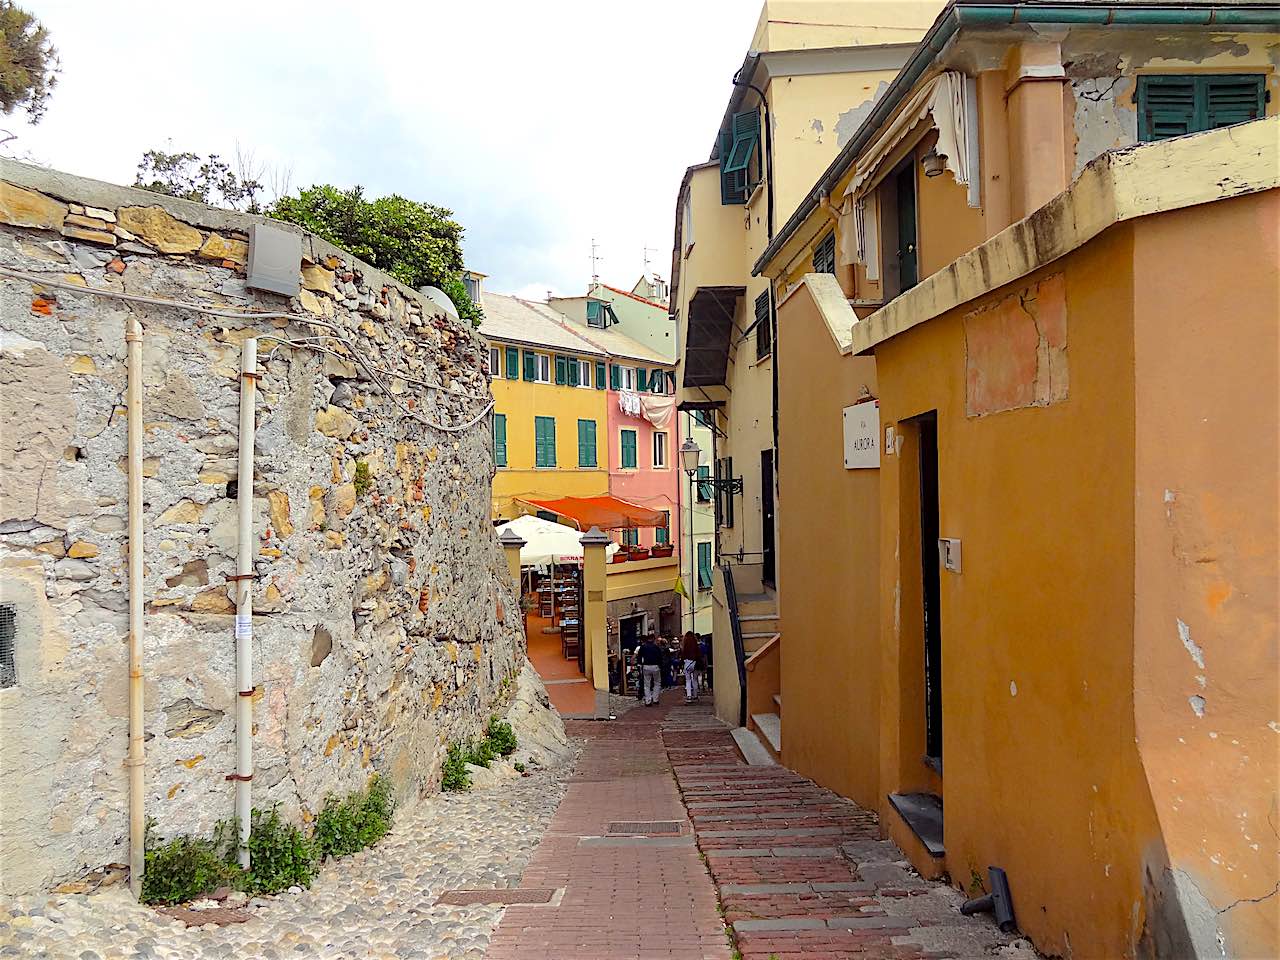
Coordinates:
<point>546,541</point>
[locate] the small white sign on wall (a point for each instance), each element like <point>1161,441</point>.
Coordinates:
<point>862,436</point>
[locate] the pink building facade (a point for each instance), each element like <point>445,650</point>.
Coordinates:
<point>644,446</point>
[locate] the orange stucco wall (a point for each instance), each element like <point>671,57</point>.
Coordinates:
<point>828,560</point>
<point>947,227</point>
<point>1042,773</point>
<point>1207,362</point>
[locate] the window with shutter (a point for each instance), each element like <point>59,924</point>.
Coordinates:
<point>544,368</point>
<point>824,255</point>
<point>704,484</point>
<point>500,439</point>
<point>530,365</point>
<point>764,327</point>
<point>573,372</point>
<point>615,377</point>
<point>513,363</point>
<point>587,443</point>
<point>495,362</point>
<point>724,497</point>
<point>595,314</point>
<point>600,381</point>
<point>630,537</point>
<point>1173,105</point>
<point>659,450</point>
<point>704,566</point>
<point>737,146</point>
<point>663,533</point>
<point>562,375</point>
<point>627,444</point>
<point>642,379</point>
<point>544,438</point>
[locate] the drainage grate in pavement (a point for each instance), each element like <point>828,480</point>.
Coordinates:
<point>464,898</point>
<point>645,827</point>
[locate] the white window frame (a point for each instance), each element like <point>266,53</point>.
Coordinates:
<point>544,367</point>
<point>584,372</point>
<point>659,450</point>
<point>628,378</point>
<point>495,363</point>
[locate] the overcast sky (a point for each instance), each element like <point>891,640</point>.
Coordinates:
<point>540,123</point>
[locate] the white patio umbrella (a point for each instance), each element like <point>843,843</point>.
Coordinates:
<point>546,541</point>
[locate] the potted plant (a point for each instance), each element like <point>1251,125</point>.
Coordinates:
<point>637,553</point>
<point>662,550</point>
<point>620,557</point>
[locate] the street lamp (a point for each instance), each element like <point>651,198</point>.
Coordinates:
<point>690,454</point>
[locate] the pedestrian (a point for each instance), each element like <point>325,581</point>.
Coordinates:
<point>651,670</point>
<point>691,651</point>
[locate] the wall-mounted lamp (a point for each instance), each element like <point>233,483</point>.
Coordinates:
<point>934,163</point>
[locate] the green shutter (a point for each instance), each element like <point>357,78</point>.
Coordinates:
<point>704,566</point>
<point>704,483</point>
<point>513,363</point>
<point>1235,98</point>
<point>1173,105</point>
<point>544,438</point>
<point>642,379</point>
<point>745,128</point>
<point>615,377</point>
<point>500,439</point>
<point>600,382</point>
<point>657,381</point>
<point>663,533</point>
<point>561,375</point>
<point>573,371</point>
<point>628,449</point>
<point>587,443</point>
<point>530,365</point>
<point>733,185</point>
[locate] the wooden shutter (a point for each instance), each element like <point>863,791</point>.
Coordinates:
<point>544,431</point>
<point>600,382</point>
<point>1229,99</point>
<point>824,255</point>
<point>499,439</point>
<point>745,129</point>
<point>642,379</point>
<point>1166,106</point>
<point>615,377</point>
<point>587,443</point>
<point>704,487</point>
<point>530,365</point>
<point>628,449</point>
<point>764,328</point>
<point>573,371</point>
<point>733,185</point>
<point>561,374</point>
<point>513,363</point>
<point>704,566</point>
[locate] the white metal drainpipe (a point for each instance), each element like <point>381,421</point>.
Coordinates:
<point>135,760</point>
<point>243,776</point>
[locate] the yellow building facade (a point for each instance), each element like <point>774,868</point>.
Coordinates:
<point>1048,605</point>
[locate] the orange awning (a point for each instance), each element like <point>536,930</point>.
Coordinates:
<point>607,513</point>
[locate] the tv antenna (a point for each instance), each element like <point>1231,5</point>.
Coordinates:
<point>595,258</point>
<point>647,251</point>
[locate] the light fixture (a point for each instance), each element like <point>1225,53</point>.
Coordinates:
<point>690,455</point>
<point>933,162</point>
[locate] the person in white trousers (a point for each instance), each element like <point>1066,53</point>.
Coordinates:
<point>650,657</point>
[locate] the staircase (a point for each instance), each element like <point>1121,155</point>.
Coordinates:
<point>762,643</point>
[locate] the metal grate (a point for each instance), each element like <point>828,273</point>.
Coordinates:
<point>8,630</point>
<point>464,898</point>
<point>645,827</point>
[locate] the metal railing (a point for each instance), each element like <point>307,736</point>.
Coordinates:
<point>739,649</point>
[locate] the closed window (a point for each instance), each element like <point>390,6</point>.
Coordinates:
<point>704,565</point>
<point>659,450</point>
<point>628,378</point>
<point>587,443</point>
<point>495,362</point>
<point>513,363</point>
<point>600,382</point>
<point>544,441</point>
<point>584,372</point>
<point>544,368</point>
<point>764,327</point>
<point>663,533</point>
<point>630,537</point>
<point>628,449</point>
<point>1172,105</point>
<point>499,439</point>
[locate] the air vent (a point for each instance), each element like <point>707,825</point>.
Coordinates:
<point>8,631</point>
<point>645,828</point>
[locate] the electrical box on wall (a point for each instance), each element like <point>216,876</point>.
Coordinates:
<point>949,554</point>
<point>275,260</point>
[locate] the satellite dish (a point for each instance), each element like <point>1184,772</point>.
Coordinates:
<point>441,300</point>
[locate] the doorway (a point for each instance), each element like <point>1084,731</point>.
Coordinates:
<point>905,190</point>
<point>630,630</point>
<point>767,573</point>
<point>931,588</point>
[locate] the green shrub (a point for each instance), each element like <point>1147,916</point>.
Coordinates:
<point>519,767</point>
<point>456,777</point>
<point>501,737</point>
<point>358,821</point>
<point>362,480</point>
<point>481,753</point>
<point>185,867</point>
<point>280,855</point>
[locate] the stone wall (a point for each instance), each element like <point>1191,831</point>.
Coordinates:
<point>386,623</point>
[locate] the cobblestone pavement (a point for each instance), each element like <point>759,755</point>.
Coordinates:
<point>628,889</point>
<point>800,871</point>
<point>375,904</point>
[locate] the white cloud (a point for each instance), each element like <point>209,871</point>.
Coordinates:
<point>542,125</point>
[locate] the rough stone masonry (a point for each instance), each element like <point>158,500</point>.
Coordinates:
<point>385,624</point>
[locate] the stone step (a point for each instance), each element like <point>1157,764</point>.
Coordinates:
<point>922,812</point>
<point>770,726</point>
<point>753,750</point>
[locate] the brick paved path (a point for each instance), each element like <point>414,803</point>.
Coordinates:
<point>625,897</point>
<point>799,871</point>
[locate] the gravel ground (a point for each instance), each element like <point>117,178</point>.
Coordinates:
<point>375,904</point>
